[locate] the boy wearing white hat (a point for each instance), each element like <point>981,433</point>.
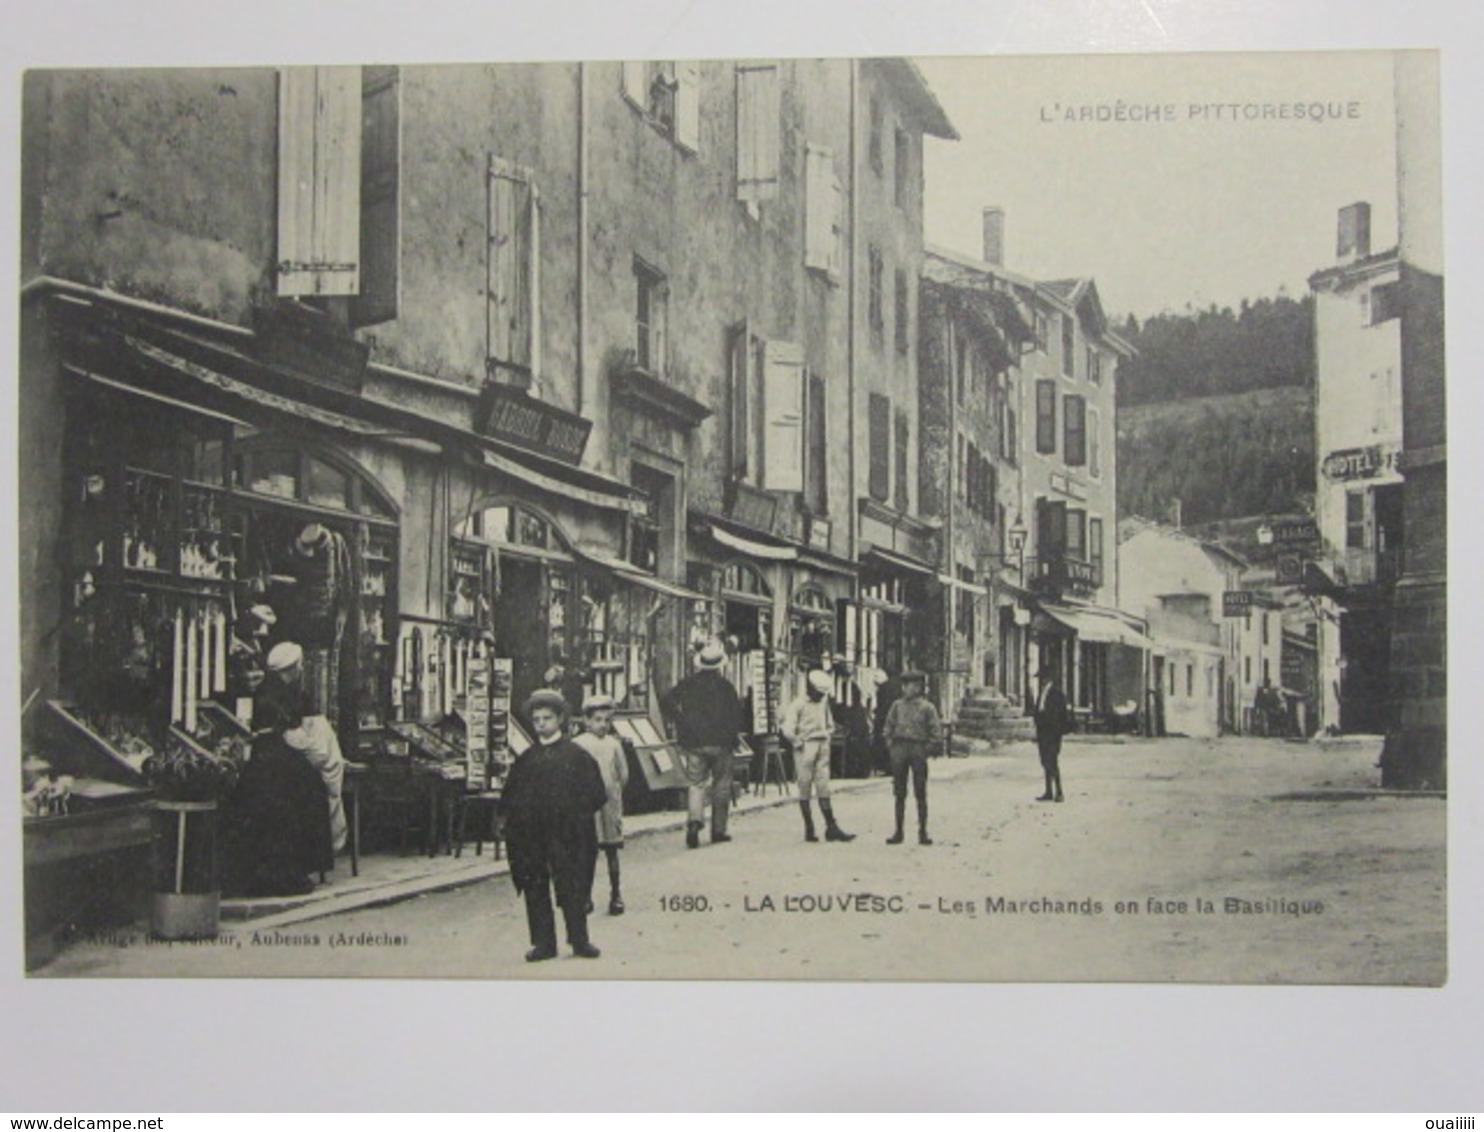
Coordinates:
<point>808,725</point>
<point>607,751</point>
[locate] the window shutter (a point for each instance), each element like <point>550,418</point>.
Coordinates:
<point>1045,417</point>
<point>757,133</point>
<point>319,181</point>
<point>688,105</point>
<point>880,447</point>
<point>739,401</point>
<point>817,492</point>
<point>510,266</point>
<point>1094,442</point>
<point>783,420</point>
<point>635,84</point>
<point>380,211</point>
<point>903,440</point>
<point>837,220</point>
<point>819,207</point>
<point>1075,446</point>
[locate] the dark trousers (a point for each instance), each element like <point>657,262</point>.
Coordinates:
<point>542,920</point>
<point>914,766</point>
<point>1050,748</point>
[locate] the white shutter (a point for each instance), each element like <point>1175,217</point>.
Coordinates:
<point>783,417</point>
<point>635,83</point>
<point>688,105</point>
<point>757,133</point>
<point>837,227</point>
<point>510,265</point>
<point>819,207</point>
<point>319,181</point>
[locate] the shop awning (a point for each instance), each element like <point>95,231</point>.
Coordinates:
<point>1105,626</point>
<point>632,574</point>
<point>752,547</point>
<point>150,395</point>
<point>171,356</point>
<point>900,561</point>
<point>966,587</point>
<point>593,498</point>
<point>250,395</point>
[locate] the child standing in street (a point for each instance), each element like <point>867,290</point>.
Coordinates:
<point>912,732</point>
<point>605,747</point>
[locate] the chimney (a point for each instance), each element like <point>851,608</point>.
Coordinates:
<point>1354,236</point>
<point>994,235</point>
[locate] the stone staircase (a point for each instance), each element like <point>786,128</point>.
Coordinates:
<point>987,721</point>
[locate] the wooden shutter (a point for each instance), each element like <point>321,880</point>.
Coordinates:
<point>636,83</point>
<point>880,447</point>
<point>688,105</point>
<point>1075,448</point>
<point>837,225</point>
<point>819,207</point>
<point>1045,417</point>
<point>757,133</point>
<point>783,417</point>
<point>903,441</point>
<point>739,406</point>
<point>319,180</point>
<point>380,211</point>
<point>510,266</point>
<point>1094,442</point>
<point>817,491</point>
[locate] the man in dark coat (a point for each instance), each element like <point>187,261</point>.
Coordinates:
<point>550,797</point>
<point>1053,720</point>
<point>707,713</point>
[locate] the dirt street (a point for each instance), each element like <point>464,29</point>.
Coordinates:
<point>1240,861</point>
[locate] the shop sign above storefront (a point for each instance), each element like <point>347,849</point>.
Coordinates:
<point>510,414</point>
<point>1286,532</point>
<point>1360,463</point>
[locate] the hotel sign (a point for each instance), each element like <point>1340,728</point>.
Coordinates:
<point>1360,463</point>
<point>1236,603</point>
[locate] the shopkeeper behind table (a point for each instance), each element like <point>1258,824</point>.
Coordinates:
<point>314,737</point>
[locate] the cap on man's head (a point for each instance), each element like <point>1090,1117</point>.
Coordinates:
<point>712,654</point>
<point>547,698</point>
<point>1047,671</point>
<point>284,655</point>
<point>914,678</point>
<point>820,681</point>
<point>264,613</point>
<point>596,703</point>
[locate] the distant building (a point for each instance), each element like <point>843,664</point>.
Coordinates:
<point>1217,635</point>
<point>1022,396</point>
<point>1358,481</point>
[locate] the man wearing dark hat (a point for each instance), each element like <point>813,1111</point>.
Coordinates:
<point>912,732</point>
<point>1052,722</point>
<point>707,713</point>
<point>550,797</point>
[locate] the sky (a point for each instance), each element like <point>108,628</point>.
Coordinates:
<point>1186,200</point>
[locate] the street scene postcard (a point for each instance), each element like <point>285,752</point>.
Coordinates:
<point>965,519</point>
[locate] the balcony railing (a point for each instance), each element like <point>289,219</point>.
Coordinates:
<point>1060,574</point>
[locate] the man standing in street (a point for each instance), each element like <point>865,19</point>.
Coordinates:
<point>912,732</point>
<point>807,726</point>
<point>707,714</point>
<point>550,796</point>
<point>1052,722</point>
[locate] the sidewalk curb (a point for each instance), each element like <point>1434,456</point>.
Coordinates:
<point>449,880</point>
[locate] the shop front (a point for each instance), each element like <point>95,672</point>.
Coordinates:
<point>206,506</point>
<point>1100,656</point>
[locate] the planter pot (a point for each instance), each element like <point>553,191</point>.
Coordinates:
<point>187,881</point>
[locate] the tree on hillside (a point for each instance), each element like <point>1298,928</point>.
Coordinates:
<point>1266,343</point>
